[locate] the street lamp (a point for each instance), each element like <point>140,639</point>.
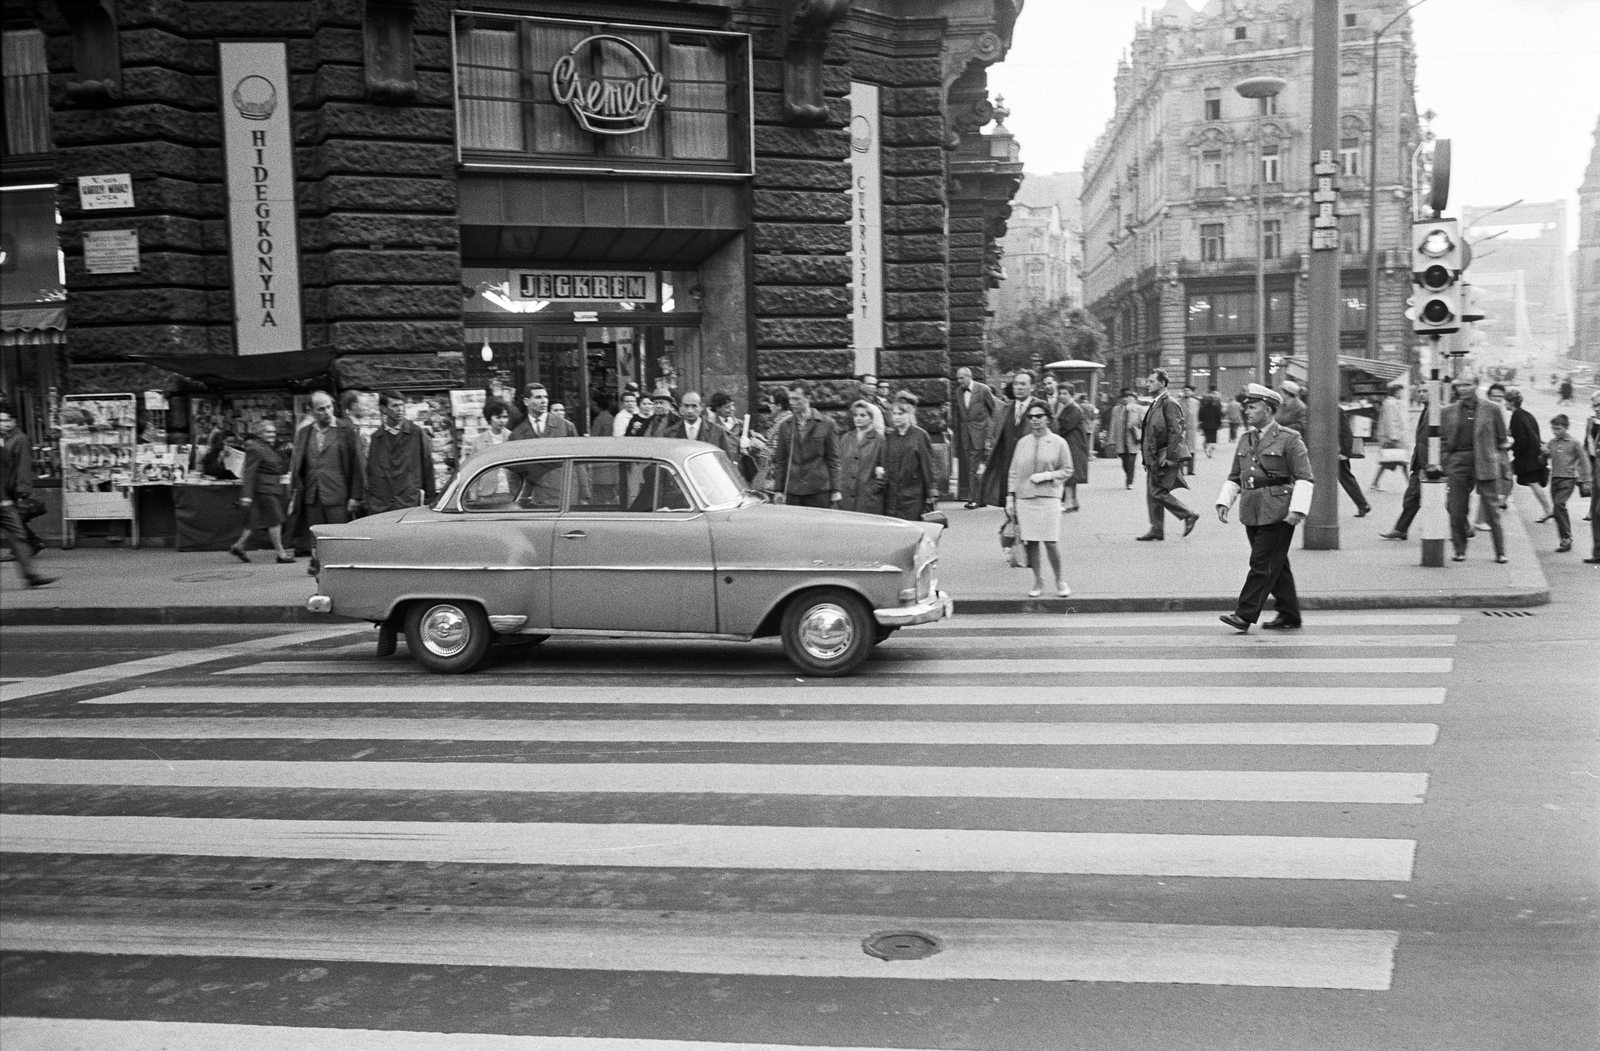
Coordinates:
<point>1372,192</point>
<point>1261,88</point>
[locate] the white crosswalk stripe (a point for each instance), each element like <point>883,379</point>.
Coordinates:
<point>758,715</point>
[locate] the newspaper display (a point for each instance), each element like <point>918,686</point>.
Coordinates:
<point>97,456</point>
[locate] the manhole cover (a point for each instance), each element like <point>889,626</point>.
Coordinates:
<point>901,945</point>
<point>206,578</point>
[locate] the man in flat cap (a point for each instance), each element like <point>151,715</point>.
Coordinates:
<point>1271,479</point>
<point>1292,413</point>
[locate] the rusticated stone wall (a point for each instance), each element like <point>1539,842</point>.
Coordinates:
<point>376,185</point>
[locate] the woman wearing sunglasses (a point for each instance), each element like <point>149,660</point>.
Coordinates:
<point>1040,468</point>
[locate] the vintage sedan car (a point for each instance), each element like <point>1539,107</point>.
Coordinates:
<point>625,537</point>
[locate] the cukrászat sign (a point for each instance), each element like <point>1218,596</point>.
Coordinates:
<point>608,105</point>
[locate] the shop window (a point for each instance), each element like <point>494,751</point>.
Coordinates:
<point>590,95</point>
<point>1213,243</point>
<point>1271,238</point>
<point>1213,103</point>
<point>1199,313</point>
<point>27,93</point>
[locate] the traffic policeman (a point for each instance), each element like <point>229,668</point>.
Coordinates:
<point>1271,479</point>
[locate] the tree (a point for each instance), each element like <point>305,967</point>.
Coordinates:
<point>1052,332</point>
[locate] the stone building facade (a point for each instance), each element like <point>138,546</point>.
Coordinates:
<point>1169,194</point>
<point>1586,263</point>
<point>1039,261</point>
<point>439,178</point>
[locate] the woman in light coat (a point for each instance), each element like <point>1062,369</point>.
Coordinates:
<point>1040,468</point>
<point>859,454</point>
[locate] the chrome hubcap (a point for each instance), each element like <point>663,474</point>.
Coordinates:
<point>444,631</point>
<point>826,631</point>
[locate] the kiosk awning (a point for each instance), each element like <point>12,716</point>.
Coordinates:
<point>251,371</point>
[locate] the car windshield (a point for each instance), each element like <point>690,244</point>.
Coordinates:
<point>716,478</point>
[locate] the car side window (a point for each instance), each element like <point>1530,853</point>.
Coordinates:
<point>627,486</point>
<point>534,485</point>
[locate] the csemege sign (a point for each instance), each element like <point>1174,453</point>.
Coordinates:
<point>615,104</point>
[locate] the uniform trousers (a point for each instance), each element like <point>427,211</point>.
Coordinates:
<point>1158,497</point>
<point>1269,573</point>
<point>1459,473</point>
<point>1351,487</point>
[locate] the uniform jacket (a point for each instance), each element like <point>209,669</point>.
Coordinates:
<point>858,461</point>
<point>710,432</point>
<point>1007,433</point>
<point>805,460</point>
<point>264,468</point>
<point>908,470</point>
<point>1265,470</point>
<point>16,467</point>
<point>331,477</point>
<point>1165,441</point>
<point>1120,436</point>
<point>554,427</point>
<point>1072,423</point>
<point>1488,437</point>
<point>975,422</point>
<point>399,469</point>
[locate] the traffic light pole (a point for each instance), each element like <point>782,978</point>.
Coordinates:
<point>1432,522</point>
<point>1322,337</point>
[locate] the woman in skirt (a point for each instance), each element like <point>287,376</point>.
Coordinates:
<point>1040,467</point>
<point>262,490</point>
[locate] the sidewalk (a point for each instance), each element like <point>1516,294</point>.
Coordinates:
<point>1108,570</point>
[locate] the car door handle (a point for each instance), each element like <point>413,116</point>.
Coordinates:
<point>576,534</point>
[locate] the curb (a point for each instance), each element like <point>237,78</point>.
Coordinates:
<point>66,616</point>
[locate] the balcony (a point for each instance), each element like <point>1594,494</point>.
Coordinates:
<point>1239,266</point>
<point>1210,193</point>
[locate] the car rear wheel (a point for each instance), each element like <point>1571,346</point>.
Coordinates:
<point>447,637</point>
<point>828,632</point>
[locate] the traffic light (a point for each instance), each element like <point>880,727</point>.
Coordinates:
<point>1437,261</point>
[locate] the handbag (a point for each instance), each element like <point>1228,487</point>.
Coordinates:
<point>1008,533</point>
<point>1393,454</point>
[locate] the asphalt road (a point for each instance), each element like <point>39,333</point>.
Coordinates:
<point>1118,831</point>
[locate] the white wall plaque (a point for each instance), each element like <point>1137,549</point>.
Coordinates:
<point>98,192</point>
<point>111,251</point>
<point>866,226</point>
<point>258,143</point>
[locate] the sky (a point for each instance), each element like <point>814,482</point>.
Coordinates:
<point>1514,84</point>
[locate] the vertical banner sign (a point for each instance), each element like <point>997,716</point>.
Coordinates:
<point>258,140</point>
<point>866,226</point>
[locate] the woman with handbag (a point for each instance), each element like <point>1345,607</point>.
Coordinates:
<point>261,490</point>
<point>1040,467</point>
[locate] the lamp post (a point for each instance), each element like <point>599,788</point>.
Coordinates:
<point>1261,88</point>
<point>1372,192</point>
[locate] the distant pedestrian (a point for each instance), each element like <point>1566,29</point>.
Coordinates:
<point>16,483</point>
<point>1472,433</point>
<point>1591,447</point>
<point>261,490</point>
<point>1235,417</point>
<point>1411,502</point>
<point>326,479</point>
<point>1272,480</point>
<point>910,485</point>
<point>1564,392</point>
<point>1123,434</point>
<point>1191,418</point>
<point>1166,449</point>
<point>976,416</point>
<point>805,459</point>
<point>1292,413</point>
<point>1570,468</point>
<point>1041,463</point>
<point>1010,427</point>
<point>540,421</point>
<point>1210,420</point>
<point>1073,426</point>
<point>1347,477</point>
<point>860,455</point>
<point>399,460</point>
<point>1528,460</point>
<point>1390,434</point>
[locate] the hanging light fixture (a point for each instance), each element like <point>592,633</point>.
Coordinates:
<point>486,352</point>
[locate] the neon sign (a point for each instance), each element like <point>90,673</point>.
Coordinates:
<point>614,104</point>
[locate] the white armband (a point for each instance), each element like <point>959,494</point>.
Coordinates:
<point>1230,493</point>
<point>1300,502</point>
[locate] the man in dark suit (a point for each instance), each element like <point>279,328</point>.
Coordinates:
<point>540,423</point>
<point>805,458</point>
<point>974,413</point>
<point>1166,450</point>
<point>399,460</point>
<point>1012,425</point>
<point>692,423</point>
<point>326,480</point>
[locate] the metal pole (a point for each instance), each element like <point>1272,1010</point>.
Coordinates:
<point>1322,339</point>
<point>1372,209</point>
<point>1261,255</point>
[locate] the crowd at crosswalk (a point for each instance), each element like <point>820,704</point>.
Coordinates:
<point>984,748</point>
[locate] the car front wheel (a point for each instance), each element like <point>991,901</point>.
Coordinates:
<point>828,632</point>
<point>448,637</point>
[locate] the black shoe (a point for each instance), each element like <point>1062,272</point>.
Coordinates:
<point>41,581</point>
<point>1501,560</point>
<point>1150,536</point>
<point>284,560</point>
<point>1459,556</point>
<point>238,552</point>
<point>1393,534</point>
<point>1362,512</point>
<point>1234,621</point>
<point>311,569</point>
<point>970,505</point>
<point>1593,561</point>
<point>1281,623</point>
<point>1189,524</point>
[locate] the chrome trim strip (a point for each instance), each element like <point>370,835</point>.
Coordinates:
<point>935,607</point>
<point>320,537</point>
<point>615,633</point>
<point>452,569</point>
<point>811,569</point>
<point>640,569</point>
<point>507,623</point>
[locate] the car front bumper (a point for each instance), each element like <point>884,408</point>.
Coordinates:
<point>937,606</point>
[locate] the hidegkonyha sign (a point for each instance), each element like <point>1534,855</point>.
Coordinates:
<point>258,149</point>
<point>612,104</point>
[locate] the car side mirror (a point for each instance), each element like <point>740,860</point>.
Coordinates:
<point>937,518</point>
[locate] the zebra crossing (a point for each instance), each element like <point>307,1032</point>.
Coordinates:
<point>1034,760</point>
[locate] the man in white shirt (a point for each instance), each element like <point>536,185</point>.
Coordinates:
<point>540,421</point>
<point>691,423</point>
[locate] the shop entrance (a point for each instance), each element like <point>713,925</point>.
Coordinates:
<point>585,367</point>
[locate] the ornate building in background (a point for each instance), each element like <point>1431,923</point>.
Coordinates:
<point>1043,246</point>
<point>1169,194</point>
<point>1586,264</point>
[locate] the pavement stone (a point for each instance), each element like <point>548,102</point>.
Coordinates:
<point>1107,569</point>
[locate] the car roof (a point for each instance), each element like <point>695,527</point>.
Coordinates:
<point>674,449</point>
